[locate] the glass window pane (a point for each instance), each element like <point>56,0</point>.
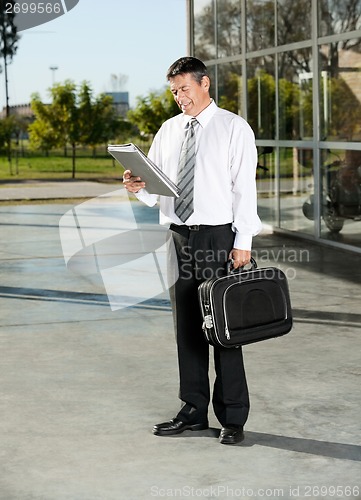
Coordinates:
<point>341,197</point>
<point>212,75</point>
<point>262,96</point>
<point>293,21</point>
<point>204,29</point>
<point>260,22</point>
<point>295,95</point>
<point>305,106</point>
<point>340,91</point>
<point>267,186</point>
<point>229,87</point>
<point>338,17</point>
<point>228,27</point>
<point>296,190</point>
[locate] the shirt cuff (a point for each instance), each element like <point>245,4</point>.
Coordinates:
<point>141,193</point>
<point>243,241</point>
<point>147,198</point>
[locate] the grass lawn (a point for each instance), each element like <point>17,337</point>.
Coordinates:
<point>28,165</point>
<point>59,167</point>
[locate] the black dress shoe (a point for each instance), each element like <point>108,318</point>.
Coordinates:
<point>231,435</point>
<point>176,426</point>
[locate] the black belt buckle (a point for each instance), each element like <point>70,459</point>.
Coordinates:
<point>195,227</point>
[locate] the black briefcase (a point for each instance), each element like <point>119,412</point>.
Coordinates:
<point>245,306</point>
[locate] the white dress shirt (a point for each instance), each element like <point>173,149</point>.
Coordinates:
<point>225,172</point>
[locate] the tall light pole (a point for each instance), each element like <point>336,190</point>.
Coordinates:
<point>53,69</point>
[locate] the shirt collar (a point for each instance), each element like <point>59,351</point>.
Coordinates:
<point>204,116</point>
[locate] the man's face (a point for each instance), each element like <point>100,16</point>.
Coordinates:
<point>192,97</point>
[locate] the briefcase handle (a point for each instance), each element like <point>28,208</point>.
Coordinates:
<point>242,268</point>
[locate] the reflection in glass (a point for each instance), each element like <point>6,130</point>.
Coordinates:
<point>295,95</point>
<point>228,27</point>
<point>204,29</point>
<point>260,19</point>
<point>267,186</point>
<point>341,197</point>
<point>338,17</point>
<point>229,87</point>
<point>293,21</point>
<point>262,96</point>
<point>340,91</point>
<point>212,75</point>
<point>296,189</point>
<point>300,90</point>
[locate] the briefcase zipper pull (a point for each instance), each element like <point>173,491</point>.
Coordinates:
<point>228,335</point>
<point>208,321</point>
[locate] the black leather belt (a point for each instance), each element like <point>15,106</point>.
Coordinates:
<point>197,227</point>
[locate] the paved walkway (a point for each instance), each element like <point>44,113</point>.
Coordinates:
<point>42,190</point>
<point>81,385</point>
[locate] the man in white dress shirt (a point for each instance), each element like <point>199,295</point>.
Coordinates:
<point>221,226</point>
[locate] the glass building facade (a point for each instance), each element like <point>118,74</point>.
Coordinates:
<point>292,69</point>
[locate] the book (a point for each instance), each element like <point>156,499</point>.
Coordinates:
<point>131,157</point>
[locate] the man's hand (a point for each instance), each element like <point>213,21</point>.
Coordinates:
<point>240,257</point>
<point>131,183</point>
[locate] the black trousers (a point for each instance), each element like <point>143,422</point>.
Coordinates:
<point>200,255</point>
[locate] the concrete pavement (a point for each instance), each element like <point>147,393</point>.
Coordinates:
<point>81,385</point>
<point>42,190</point>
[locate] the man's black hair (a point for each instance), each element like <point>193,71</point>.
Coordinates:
<point>188,65</point>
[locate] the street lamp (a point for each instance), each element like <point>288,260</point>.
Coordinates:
<point>53,69</point>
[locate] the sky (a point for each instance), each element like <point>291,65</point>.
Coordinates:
<point>136,39</point>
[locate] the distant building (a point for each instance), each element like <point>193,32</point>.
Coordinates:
<point>20,109</point>
<point>121,102</point>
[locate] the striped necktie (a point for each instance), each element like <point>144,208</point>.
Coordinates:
<point>184,204</point>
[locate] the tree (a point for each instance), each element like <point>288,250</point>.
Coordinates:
<point>41,133</point>
<point>98,120</point>
<point>60,117</point>
<point>152,110</point>
<point>73,117</point>
<point>9,39</point>
<point>9,127</point>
